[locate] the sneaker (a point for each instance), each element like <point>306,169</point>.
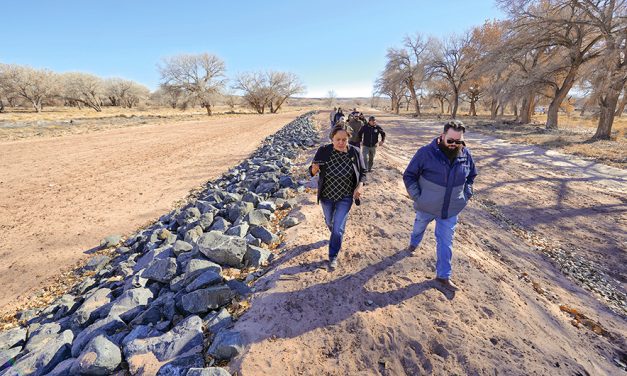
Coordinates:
<point>447,284</point>
<point>333,263</point>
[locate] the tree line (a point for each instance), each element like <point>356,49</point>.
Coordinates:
<point>539,53</point>
<point>185,80</point>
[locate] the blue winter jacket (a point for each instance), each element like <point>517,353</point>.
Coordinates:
<point>437,186</point>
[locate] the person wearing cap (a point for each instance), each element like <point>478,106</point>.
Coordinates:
<point>439,179</point>
<point>332,116</point>
<point>369,137</point>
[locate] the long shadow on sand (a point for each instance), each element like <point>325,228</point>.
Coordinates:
<point>290,314</point>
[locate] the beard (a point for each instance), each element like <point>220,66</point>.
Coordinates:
<point>451,153</point>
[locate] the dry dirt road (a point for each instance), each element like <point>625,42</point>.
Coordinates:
<point>60,196</point>
<point>380,313</point>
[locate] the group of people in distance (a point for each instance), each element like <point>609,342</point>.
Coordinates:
<point>439,179</point>
<point>362,134</point>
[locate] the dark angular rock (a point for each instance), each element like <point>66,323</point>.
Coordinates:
<point>100,357</point>
<point>204,300</point>
<point>223,249</point>
<point>107,326</point>
<point>226,345</point>
<point>205,279</point>
<point>161,270</point>
<point>256,256</point>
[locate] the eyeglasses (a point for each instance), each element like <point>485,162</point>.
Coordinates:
<point>458,142</point>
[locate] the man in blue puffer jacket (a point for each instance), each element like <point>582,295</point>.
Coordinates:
<point>439,179</point>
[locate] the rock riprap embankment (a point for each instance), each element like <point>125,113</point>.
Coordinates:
<point>159,304</point>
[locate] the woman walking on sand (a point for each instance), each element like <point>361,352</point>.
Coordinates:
<point>342,176</point>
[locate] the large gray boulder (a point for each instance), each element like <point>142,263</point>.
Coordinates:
<point>256,218</point>
<point>217,320</point>
<point>223,249</point>
<point>205,279</point>
<point>161,270</point>
<point>239,209</point>
<point>42,335</point>
<point>188,216</point>
<point>107,326</point>
<point>180,247</point>
<point>88,311</point>
<point>220,224</point>
<point>264,235</point>
<point>256,256</point>
<point>185,339</point>
<point>131,303</point>
<point>240,230</point>
<point>100,357</point>
<point>204,300</point>
<point>45,357</point>
<point>13,337</point>
<point>226,345</point>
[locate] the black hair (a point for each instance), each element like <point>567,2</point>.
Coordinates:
<point>456,125</point>
<point>335,130</point>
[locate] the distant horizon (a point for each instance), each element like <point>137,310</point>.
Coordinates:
<point>329,45</point>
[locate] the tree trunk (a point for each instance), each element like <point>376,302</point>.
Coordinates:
<point>608,105</point>
<point>560,95</point>
<point>494,107</point>
<point>515,110</point>
<point>473,109</point>
<point>208,107</point>
<point>455,103</point>
<point>527,109</point>
<point>621,105</point>
<point>441,105</point>
<point>414,97</point>
<point>1,105</point>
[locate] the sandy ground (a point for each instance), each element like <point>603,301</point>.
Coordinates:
<point>60,196</point>
<point>380,313</point>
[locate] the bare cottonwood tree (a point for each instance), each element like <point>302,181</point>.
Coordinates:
<point>453,60</point>
<point>124,93</point>
<point>255,90</point>
<point>608,18</point>
<point>331,97</point>
<point>409,62</point>
<point>556,28</point>
<point>83,89</point>
<point>282,86</point>
<point>33,85</point>
<point>392,84</point>
<point>269,89</point>
<point>199,77</point>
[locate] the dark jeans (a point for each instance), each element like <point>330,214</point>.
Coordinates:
<point>335,215</point>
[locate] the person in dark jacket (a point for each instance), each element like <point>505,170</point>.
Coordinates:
<point>369,137</point>
<point>341,181</point>
<point>354,126</point>
<point>439,179</point>
<point>338,115</point>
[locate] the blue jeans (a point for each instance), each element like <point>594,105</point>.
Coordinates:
<point>444,232</point>
<point>335,215</point>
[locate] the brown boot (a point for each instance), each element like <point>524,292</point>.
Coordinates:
<point>447,284</point>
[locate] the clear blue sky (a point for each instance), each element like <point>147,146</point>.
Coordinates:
<point>337,45</point>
